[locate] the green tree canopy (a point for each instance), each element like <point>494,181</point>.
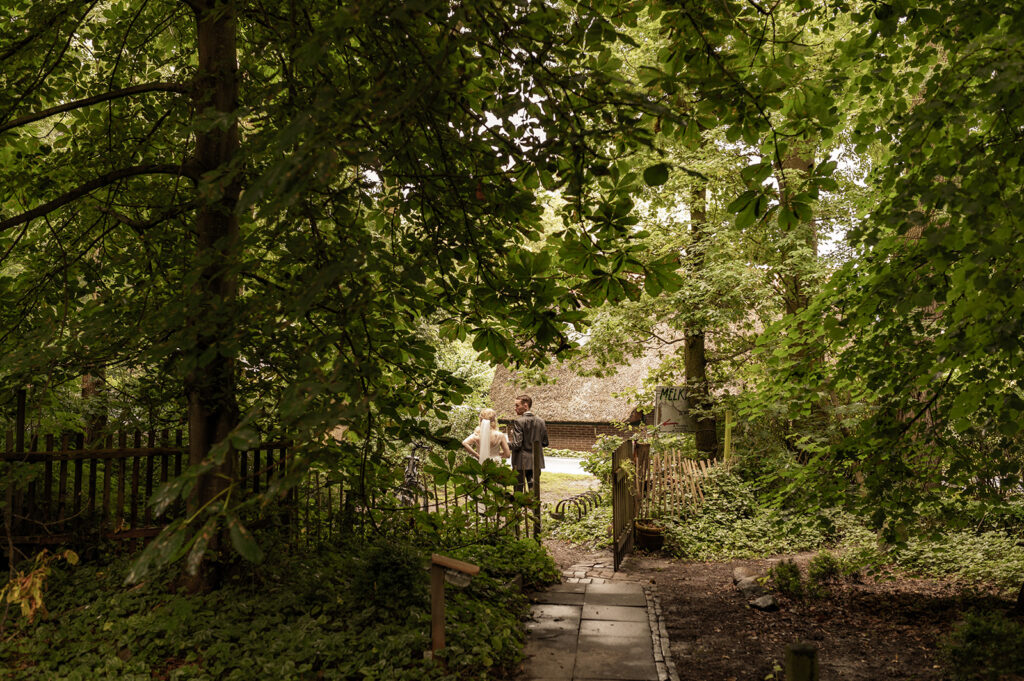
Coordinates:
<point>261,203</point>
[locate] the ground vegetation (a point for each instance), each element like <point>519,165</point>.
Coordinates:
<point>360,610</point>
<point>265,219</point>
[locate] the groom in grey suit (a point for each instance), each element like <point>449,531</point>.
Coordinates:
<point>525,430</point>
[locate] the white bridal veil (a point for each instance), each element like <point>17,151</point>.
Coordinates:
<point>485,439</point>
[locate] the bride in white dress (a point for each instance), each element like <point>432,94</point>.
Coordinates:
<point>492,443</point>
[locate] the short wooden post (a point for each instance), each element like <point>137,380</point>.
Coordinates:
<point>729,423</point>
<point>536,489</point>
<point>438,564</point>
<point>801,662</point>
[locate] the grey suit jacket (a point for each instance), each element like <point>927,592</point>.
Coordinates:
<point>524,431</point>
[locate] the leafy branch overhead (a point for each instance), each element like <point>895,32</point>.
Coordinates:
<point>269,214</point>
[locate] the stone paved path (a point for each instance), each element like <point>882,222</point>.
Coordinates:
<point>597,625</point>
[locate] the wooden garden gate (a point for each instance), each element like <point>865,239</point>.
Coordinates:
<point>623,503</point>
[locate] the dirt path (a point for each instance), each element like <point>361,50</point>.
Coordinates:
<point>566,555</point>
<point>864,631</point>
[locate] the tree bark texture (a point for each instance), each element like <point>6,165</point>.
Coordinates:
<point>798,163</point>
<point>210,386</point>
<point>797,291</point>
<point>94,398</point>
<point>695,360</point>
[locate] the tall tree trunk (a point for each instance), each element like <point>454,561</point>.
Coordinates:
<point>210,386</point>
<point>695,360</point>
<point>95,402</point>
<point>796,165</point>
<point>796,290</point>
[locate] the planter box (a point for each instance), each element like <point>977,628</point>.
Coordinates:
<point>649,536</point>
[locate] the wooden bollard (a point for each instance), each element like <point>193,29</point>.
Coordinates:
<point>536,489</point>
<point>801,662</point>
<point>438,564</point>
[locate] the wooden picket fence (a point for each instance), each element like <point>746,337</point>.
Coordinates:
<point>61,492</point>
<point>522,521</point>
<point>327,512</point>
<point>669,483</point>
<point>66,493</point>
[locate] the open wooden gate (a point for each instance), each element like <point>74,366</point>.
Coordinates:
<point>623,503</point>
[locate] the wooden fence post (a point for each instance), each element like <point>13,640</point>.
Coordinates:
<point>801,662</point>
<point>437,567</point>
<point>729,423</point>
<point>536,490</point>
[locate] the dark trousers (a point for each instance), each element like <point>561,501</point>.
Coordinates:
<point>525,475</point>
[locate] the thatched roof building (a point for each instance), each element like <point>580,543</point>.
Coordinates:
<point>576,408</point>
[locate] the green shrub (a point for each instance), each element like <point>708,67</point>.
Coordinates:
<point>986,646</point>
<point>824,568</point>
<point>860,552</point>
<point>592,531</point>
<point>786,578</point>
<point>565,453</point>
<point>990,557</point>
<point>387,579</point>
<point>731,524</point>
<point>598,461</point>
<point>506,559</point>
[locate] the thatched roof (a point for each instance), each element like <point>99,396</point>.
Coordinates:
<point>571,397</point>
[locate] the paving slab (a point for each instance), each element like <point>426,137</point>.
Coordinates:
<point>567,588</point>
<point>559,597</point>
<point>556,611</point>
<point>616,588</point>
<point>614,612</point>
<point>549,628</point>
<point>550,658</point>
<point>619,646</point>
<point>591,629</point>
<point>613,628</point>
<point>621,659</point>
<point>636,600</point>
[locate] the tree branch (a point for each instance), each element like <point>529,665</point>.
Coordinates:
<point>106,96</point>
<point>928,405</point>
<point>140,226</point>
<point>93,185</point>
<point>40,28</point>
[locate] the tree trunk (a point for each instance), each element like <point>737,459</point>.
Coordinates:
<point>695,361</point>
<point>210,386</point>
<point>799,161</point>
<point>95,403</point>
<point>797,291</point>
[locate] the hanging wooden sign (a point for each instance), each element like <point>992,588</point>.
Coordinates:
<point>672,410</point>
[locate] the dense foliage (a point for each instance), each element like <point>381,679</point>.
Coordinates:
<point>280,219</point>
<point>985,645</point>
<point>735,521</point>
<point>272,215</point>
<point>593,530</point>
<point>358,611</point>
<point>271,219</point>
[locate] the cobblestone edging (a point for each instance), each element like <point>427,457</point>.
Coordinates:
<point>589,573</point>
<point>659,634</point>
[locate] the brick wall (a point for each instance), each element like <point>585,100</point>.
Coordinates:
<point>579,437</point>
